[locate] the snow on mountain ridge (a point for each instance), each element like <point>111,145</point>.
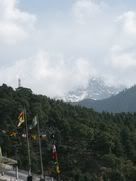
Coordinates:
<point>96,89</point>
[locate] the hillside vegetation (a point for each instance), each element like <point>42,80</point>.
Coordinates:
<point>91,146</point>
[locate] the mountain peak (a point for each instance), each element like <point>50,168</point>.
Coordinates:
<point>96,89</point>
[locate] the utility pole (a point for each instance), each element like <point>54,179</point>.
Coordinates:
<point>29,178</point>
<point>40,150</point>
<point>19,82</point>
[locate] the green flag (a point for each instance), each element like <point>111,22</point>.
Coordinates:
<point>34,123</point>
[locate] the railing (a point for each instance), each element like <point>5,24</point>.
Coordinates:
<point>10,176</point>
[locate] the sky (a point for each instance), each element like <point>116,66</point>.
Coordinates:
<point>55,46</point>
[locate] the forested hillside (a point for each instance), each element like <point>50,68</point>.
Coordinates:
<point>91,146</point>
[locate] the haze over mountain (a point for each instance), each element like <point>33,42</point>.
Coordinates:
<point>55,47</point>
<point>96,89</point>
<point>125,101</point>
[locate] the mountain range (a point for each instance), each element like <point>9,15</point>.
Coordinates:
<point>124,101</point>
<point>96,89</point>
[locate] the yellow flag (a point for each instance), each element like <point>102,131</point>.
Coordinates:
<point>21,119</point>
<point>34,137</point>
<point>57,169</point>
<point>13,133</point>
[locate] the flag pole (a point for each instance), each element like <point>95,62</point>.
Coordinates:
<point>28,145</point>
<point>40,150</point>
<point>55,156</point>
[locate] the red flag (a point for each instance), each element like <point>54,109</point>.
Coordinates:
<point>54,153</point>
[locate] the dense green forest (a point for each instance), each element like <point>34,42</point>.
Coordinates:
<point>91,146</point>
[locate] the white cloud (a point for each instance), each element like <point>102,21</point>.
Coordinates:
<point>123,60</point>
<point>15,24</point>
<point>128,22</point>
<point>121,57</point>
<point>50,75</point>
<point>91,39</point>
<point>87,10</point>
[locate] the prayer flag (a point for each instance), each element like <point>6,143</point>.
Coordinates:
<point>21,119</point>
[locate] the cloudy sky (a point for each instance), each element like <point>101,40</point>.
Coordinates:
<point>55,46</point>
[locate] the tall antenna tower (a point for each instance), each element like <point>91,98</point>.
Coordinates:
<point>19,82</point>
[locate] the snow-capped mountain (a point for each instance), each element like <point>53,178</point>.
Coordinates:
<point>96,89</point>
<point>124,101</point>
